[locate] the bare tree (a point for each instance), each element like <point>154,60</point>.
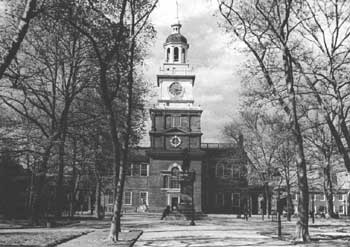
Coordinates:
<point>266,30</point>
<point>29,12</point>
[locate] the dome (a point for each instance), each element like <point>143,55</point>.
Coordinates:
<point>176,38</point>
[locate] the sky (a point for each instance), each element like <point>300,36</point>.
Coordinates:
<point>215,61</point>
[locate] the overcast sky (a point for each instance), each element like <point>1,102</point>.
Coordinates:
<point>216,63</point>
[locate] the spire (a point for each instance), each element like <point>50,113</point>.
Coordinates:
<point>177,12</point>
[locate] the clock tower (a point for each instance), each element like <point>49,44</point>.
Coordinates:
<point>176,127</point>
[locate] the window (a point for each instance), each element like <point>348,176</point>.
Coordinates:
<point>144,170</point>
<point>167,54</point>
<point>183,55</point>
<point>322,197</point>
<point>135,169</point>
<point>341,197</point>
<point>219,199</point>
<point>176,54</point>
<point>219,170</point>
<point>166,182</point>
<point>138,170</point>
<point>227,170</point>
<point>129,170</point>
<point>341,209</point>
<point>176,121</point>
<point>109,197</point>
<point>127,198</point>
<point>144,197</point>
<point>235,199</point>
<point>172,181</point>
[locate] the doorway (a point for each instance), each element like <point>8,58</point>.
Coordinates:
<point>174,203</point>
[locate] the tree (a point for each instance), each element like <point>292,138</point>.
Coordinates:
<point>115,44</point>
<point>266,30</point>
<point>29,12</point>
<point>52,70</point>
<point>324,28</point>
<point>321,146</point>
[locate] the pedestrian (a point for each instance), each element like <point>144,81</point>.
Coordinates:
<point>166,212</point>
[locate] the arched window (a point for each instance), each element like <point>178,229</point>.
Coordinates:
<point>167,54</point>
<point>174,179</point>
<point>175,171</point>
<point>176,54</point>
<point>183,55</point>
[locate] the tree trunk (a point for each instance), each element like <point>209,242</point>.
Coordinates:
<point>328,189</point>
<point>267,200</point>
<point>98,207</point>
<point>302,225</point>
<point>38,184</point>
<point>116,223</point>
<point>60,176</point>
<point>289,201</point>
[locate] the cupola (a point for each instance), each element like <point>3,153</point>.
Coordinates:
<point>176,46</point>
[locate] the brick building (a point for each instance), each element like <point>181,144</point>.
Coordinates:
<point>177,165</point>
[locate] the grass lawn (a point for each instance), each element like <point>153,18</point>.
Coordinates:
<point>44,238</point>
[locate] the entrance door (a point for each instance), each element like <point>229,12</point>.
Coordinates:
<point>174,202</point>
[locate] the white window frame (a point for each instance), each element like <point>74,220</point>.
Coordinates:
<point>323,197</point>
<point>146,192</point>
<point>147,169</point>
<point>129,204</point>
<point>343,211</point>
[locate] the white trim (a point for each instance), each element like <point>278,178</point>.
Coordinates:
<point>129,204</point>
<point>173,166</point>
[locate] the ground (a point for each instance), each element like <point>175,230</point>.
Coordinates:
<point>214,230</point>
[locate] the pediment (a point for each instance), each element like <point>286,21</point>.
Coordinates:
<point>174,130</point>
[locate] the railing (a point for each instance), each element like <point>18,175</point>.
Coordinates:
<point>177,71</point>
<point>217,145</point>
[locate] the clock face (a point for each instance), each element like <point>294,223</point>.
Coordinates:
<point>175,89</point>
<point>175,141</point>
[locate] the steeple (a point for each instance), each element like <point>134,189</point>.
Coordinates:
<point>176,45</point>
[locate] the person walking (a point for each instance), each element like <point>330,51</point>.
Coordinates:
<point>166,212</point>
